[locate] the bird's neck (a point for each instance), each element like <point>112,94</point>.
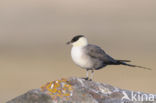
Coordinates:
<point>80,46</point>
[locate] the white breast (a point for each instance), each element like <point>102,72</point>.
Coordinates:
<point>80,58</point>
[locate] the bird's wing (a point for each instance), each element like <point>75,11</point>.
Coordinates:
<point>97,53</point>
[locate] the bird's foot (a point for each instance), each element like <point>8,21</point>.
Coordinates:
<point>86,78</point>
<point>89,79</point>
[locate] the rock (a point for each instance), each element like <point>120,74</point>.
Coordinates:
<point>77,90</point>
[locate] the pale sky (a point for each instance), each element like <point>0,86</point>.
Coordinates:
<point>33,22</point>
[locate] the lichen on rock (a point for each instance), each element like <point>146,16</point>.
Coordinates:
<point>58,89</point>
<point>77,90</point>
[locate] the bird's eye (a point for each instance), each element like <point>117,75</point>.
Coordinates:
<point>76,38</point>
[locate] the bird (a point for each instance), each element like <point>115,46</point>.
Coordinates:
<point>92,57</point>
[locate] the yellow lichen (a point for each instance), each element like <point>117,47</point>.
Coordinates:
<point>59,88</point>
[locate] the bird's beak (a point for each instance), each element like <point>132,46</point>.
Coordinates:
<point>68,42</point>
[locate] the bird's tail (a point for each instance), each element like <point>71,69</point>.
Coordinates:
<point>123,61</point>
<point>131,65</point>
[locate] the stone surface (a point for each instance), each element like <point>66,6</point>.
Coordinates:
<point>77,90</point>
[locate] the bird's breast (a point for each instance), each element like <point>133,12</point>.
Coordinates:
<point>80,58</point>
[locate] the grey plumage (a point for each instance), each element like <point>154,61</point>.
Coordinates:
<point>100,58</point>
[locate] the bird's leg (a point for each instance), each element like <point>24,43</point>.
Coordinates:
<point>92,74</point>
<point>87,75</point>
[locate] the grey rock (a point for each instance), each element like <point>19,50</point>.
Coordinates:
<point>77,90</point>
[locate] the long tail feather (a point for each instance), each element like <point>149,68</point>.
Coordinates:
<point>131,65</point>
<point>123,60</point>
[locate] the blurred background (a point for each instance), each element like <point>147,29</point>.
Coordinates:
<point>33,34</point>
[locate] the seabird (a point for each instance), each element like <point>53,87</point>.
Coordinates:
<point>92,57</point>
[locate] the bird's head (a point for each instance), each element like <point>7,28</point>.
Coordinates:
<point>78,40</point>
